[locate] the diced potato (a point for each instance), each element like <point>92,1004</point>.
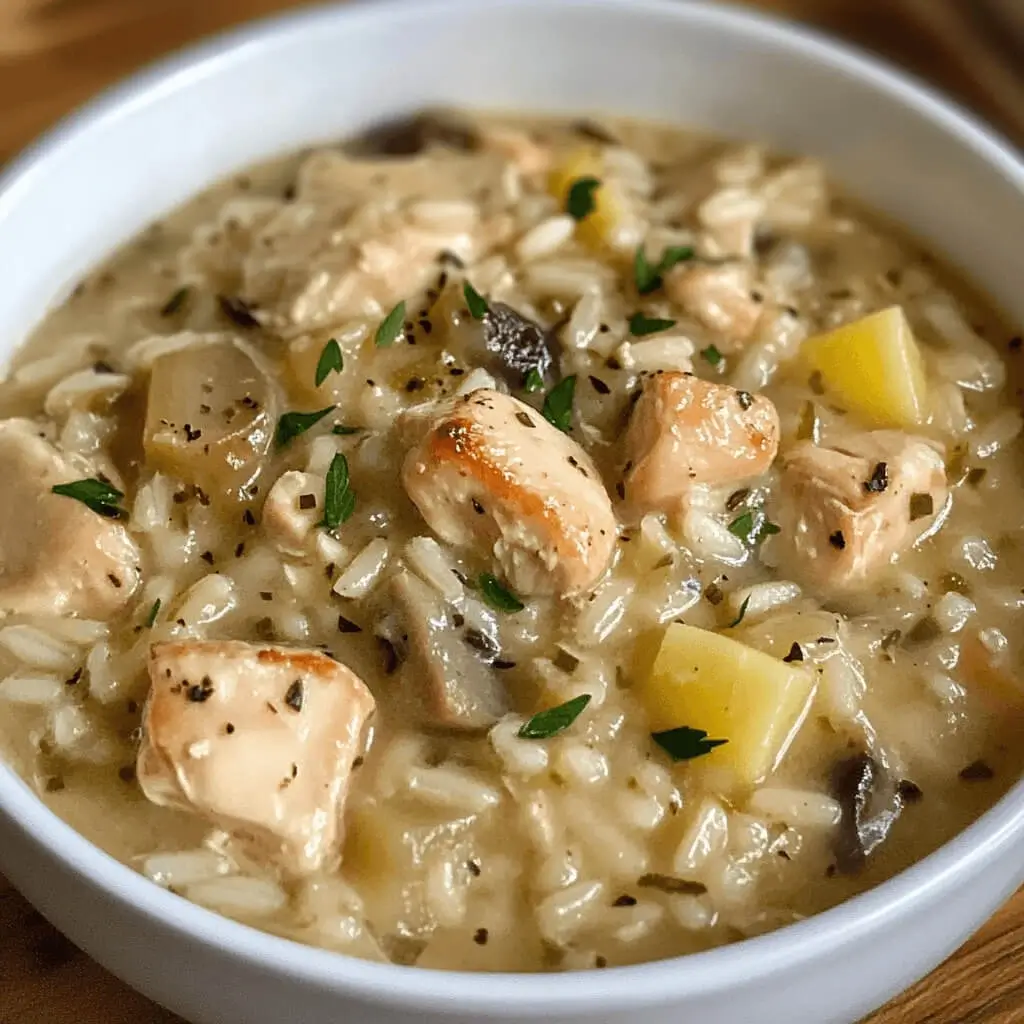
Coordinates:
<point>709,681</point>
<point>873,367</point>
<point>210,419</point>
<point>602,227</point>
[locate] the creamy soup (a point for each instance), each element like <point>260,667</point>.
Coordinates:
<point>511,544</point>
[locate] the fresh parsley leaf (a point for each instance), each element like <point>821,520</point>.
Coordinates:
<point>742,615</point>
<point>497,595</point>
<point>648,276</point>
<point>390,326</point>
<point>153,613</point>
<point>292,424</point>
<point>330,361</point>
<point>176,302</point>
<point>752,527</point>
<point>580,201</point>
<point>640,325</point>
<point>475,302</point>
<point>685,743</point>
<point>557,409</point>
<point>97,495</point>
<point>339,498</point>
<point>342,431</point>
<point>554,720</point>
<point>534,381</point>
<point>711,355</point>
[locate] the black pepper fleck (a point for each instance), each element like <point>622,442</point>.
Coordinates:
<point>837,540</point>
<point>295,696</point>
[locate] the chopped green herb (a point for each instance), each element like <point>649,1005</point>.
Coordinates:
<point>685,743</point>
<point>98,495</point>
<point>176,302</point>
<point>292,424</point>
<point>711,355</point>
<point>343,431</point>
<point>534,381</point>
<point>475,302</point>
<point>153,613</point>
<point>640,325</point>
<point>549,723</point>
<point>339,498</point>
<point>390,327</point>
<point>743,613</point>
<point>330,361</point>
<point>648,277</point>
<point>752,526</point>
<point>580,202</point>
<point>557,409</point>
<point>497,595</point>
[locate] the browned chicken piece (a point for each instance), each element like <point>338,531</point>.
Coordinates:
<point>847,513</point>
<point>685,431</point>
<point>259,740</point>
<point>57,556</point>
<point>491,472</point>
<point>722,298</point>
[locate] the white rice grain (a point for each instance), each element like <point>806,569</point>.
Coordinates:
<point>83,390</point>
<point>184,867</point>
<point>545,238</point>
<point>603,612</point>
<point>39,649</point>
<point>451,215</point>
<point>39,690</point>
<point>518,756</point>
<point>206,601</point>
<point>446,891</point>
<point>430,561</point>
<point>76,631</point>
<point>705,838</point>
<point>239,896</point>
<point>363,572</point>
<point>565,913</point>
<point>636,922</point>
<point>709,538</point>
<point>154,503</point>
<point>71,354</point>
<point>143,354</point>
<point>581,765</point>
<point>453,788</point>
<point>953,611</point>
<point>762,598</point>
<point>995,435</point>
<point>795,807</point>
<point>693,913</point>
<point>666,352</point>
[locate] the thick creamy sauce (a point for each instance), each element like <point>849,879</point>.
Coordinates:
<point>476,849</point>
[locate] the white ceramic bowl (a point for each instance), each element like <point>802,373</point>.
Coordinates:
<point>317,75</point>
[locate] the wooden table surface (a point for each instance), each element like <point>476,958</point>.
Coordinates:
<point>56,53</point>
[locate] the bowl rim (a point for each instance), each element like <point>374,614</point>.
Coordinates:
<point>487,993</point>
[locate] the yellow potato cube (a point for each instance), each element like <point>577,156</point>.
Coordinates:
<point>873,367</point>
<point>600,227</point>
<point>708,681</point>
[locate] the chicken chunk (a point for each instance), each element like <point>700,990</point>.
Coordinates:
<point>293,507</point>
<point>722,298</point>
<point>685,431</point>
<point>57,556</point>
<point>456,688</point>
<point>490,471</point>
<point>849,512</point>
<point>260,740</point>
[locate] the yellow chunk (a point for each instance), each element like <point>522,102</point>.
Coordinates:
<point>873,367</point>
<point>709,681</point>
<point>600,227</point>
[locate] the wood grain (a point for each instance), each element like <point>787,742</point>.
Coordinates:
<point>56,53</point>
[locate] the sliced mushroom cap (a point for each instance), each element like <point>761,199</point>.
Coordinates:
<point>408,136</point>
<point>516,345</point>
<point>456,688</point>
<point>871,805</point>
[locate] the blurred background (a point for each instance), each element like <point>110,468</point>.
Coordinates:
<point>56,53</point>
